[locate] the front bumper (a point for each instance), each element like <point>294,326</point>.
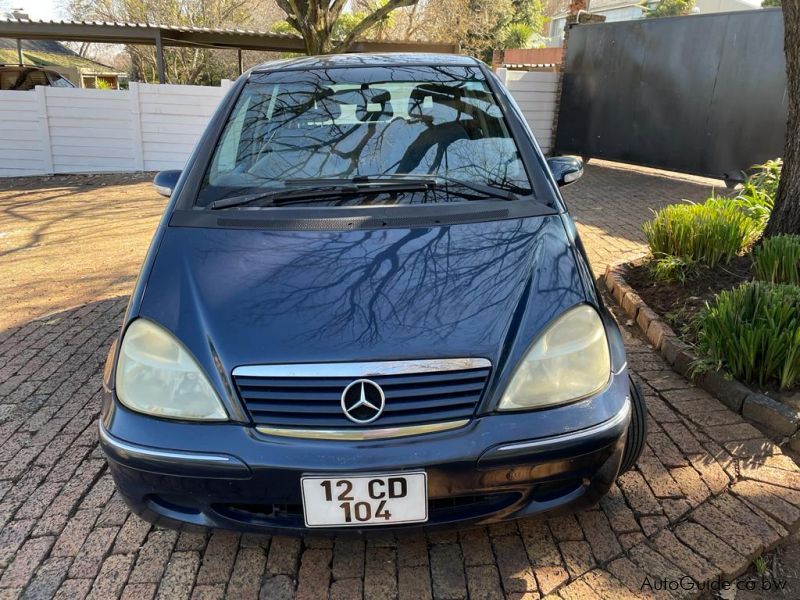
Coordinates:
<point>498,467</point>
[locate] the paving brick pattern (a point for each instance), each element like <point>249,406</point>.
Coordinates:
<point>709,494</point>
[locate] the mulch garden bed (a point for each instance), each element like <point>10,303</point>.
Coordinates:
<point>678,303</point>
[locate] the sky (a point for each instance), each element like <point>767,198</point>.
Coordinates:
<point>47,10</point>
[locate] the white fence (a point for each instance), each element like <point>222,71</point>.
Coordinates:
<point>153,127</point>
<point>536,93</point>
<point>64,130</point>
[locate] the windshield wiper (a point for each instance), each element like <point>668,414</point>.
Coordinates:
<point>284,197</point>
<point>323,189</point>
<point>484,189</point>
<point>481,188</point>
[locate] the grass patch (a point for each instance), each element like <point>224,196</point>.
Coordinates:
<point>672,268</point>
<point>684,237</point>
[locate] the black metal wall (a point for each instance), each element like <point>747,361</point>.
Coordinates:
<point>703,94</point>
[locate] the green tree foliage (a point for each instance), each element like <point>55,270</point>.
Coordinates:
<point>479,26</point>
<point>528,12</point>
<point>518,35</point>
<point>524,26</point>
<point>671,8</point>
<point>770,3</point>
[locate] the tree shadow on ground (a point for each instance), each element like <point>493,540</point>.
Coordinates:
<point>23,185</point>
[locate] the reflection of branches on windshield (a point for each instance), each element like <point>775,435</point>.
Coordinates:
<point>367,286</point>
<point>313,124</point>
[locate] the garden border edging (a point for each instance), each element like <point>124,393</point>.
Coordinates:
<point>756,407</point>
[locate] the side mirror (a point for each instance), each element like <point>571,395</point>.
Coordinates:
<point>165,181</point>
<point>565,169</point>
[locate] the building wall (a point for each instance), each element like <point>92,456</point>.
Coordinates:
<point>626,13</point>
<point>716,6</point>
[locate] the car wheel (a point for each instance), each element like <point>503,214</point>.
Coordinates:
<point>637,430</point>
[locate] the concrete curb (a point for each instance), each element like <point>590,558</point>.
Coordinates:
<point>756,407</point>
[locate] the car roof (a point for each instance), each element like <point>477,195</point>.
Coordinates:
<point>329,61</point>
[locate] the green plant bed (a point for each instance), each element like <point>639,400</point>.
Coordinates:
<point>753,331</point>
<point>777,259</point>
<point>748,329</point>
<point>684,236</point>
<point>737,305</point>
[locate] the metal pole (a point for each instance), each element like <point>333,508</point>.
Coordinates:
<point>19,52</point>
<point>241,64</point>
<point>162,78</point>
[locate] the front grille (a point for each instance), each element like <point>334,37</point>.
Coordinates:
<point>455,507</point>
<point>314,402</point>
<point>439,509</point>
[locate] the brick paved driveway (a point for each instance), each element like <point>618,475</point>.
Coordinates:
<point>709,493</point>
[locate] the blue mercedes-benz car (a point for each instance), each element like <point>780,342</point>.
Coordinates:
<point>367,306</point>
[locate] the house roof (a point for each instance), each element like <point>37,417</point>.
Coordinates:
<point>38,45</point>
<point>52,59</point>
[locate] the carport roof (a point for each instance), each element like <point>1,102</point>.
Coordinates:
<point>171,35</point>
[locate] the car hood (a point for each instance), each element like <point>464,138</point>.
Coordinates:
<point>237,297</point>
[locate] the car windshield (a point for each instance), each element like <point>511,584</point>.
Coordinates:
<point>311,129</point>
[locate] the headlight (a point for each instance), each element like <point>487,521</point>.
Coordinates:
<point>569,361</point>
<point>156,375</point>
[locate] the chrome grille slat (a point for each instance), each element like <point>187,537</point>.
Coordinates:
<point>317,407</point>
<point>386,420</point>
<point>274,395</point>
<point>431,378</point>
<point>412,398</point>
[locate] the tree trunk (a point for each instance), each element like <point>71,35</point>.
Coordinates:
<point>785,216</point>
<point>316,36</point>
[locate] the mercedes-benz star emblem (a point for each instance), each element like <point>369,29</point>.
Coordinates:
<point>363,401</point>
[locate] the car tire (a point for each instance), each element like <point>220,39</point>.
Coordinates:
<point>637,430</point>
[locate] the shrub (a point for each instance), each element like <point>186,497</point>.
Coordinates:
<point>757,196</point>
<point>753,331</point>
<point>671,268</point>
<point>777,259</point>
<point>709,233</point>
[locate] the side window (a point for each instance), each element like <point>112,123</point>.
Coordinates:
<point>59,81</point>
<point>32,79</point>
<point>226,157</point>
<point>8,79</point>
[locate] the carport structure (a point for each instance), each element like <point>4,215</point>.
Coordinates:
<point>202,37</point>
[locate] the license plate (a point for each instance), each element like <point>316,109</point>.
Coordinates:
<point>358,500</point>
